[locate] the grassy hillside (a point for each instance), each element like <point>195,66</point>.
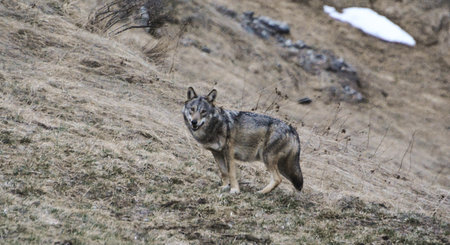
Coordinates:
<point>93,147</point>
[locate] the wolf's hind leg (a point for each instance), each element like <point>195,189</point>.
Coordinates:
<point>220,160</point>
<point>274,181</point>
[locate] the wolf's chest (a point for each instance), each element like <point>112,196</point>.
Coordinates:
<point>215,146</point>
<point>216,143</point>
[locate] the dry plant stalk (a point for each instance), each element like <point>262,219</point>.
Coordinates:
<point>381,141</point>
<point>335,118</point>
<point>409,148</point>
<point>156,51</point>
<point>179,35</point>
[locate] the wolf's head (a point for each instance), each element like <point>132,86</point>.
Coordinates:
<point>198,110</point>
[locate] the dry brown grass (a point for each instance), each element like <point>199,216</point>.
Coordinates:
<point>118,16</point>
<point>93,148</point>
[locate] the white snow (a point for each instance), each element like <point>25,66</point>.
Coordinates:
<point>371,23</point>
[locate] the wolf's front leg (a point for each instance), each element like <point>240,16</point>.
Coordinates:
<point>229,158</point>
<point>220,160</point>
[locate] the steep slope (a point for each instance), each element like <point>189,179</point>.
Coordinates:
<point>94,149</point>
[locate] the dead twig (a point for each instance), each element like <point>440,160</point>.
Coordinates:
<point>257,103</point>
<point>410,151</point>
<point>406,151</point>
<point>439,204</point>
<point>381,141</point>
<point>333,121</point>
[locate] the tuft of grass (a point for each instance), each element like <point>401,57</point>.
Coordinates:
<point>156,51</point>
<point>325,234</point>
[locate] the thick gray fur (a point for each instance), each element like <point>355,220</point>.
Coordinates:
<point>245,136</point>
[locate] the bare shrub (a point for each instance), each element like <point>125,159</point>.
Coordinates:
<point>120,15</point>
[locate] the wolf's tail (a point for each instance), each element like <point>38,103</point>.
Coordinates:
<point>289,167</point>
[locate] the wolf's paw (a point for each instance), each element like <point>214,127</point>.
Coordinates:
<point>225,187</point>
<point>234,191</point>
<point>263,191</point>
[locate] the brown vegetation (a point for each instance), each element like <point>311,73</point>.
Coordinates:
<point>93,148</point>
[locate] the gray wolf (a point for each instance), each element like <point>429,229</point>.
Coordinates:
<point>244,136</point>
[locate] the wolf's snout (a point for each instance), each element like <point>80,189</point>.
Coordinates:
<point>194,122</point>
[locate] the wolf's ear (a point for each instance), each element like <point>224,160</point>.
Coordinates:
<point>191,93</point>
<point>211,96</point>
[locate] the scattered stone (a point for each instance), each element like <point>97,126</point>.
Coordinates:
<point>188,42</point>
<point>205,49</point>
<point>355,95</point>
<point>279,67</point>
<point>191,42</point>
<point>337,65</point>
<point>313,61</point>
<point>300,44</point>
<point>318,62</point>
<point>144,18</point>
<point>226,11</point>
<point>276,26</point>
<point>288,43</point>
<point>264,26</point>
<point>305,101</point>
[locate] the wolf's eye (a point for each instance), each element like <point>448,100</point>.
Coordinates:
<point>203,111</point>
<point>192,109</point>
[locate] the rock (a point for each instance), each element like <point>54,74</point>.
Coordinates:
<point>288,43</point>
<point>276,26</point>
<point>248,14</point>
<point>191,42</point>
<point>312,61</point>
<point>205,49</point>
<point>188,42</point>
<point>337,64</point>
<point>299,44</point>
<point>226,11</point>
<point>305,101</point>
<point>264,26</point>
<point>355,95</point>
<point>144,18</point>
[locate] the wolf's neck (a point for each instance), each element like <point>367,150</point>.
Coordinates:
<point>228,116</point>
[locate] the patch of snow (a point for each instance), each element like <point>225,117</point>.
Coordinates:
<point>372,23</point>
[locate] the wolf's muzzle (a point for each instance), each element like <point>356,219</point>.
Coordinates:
<point>195,125</point>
